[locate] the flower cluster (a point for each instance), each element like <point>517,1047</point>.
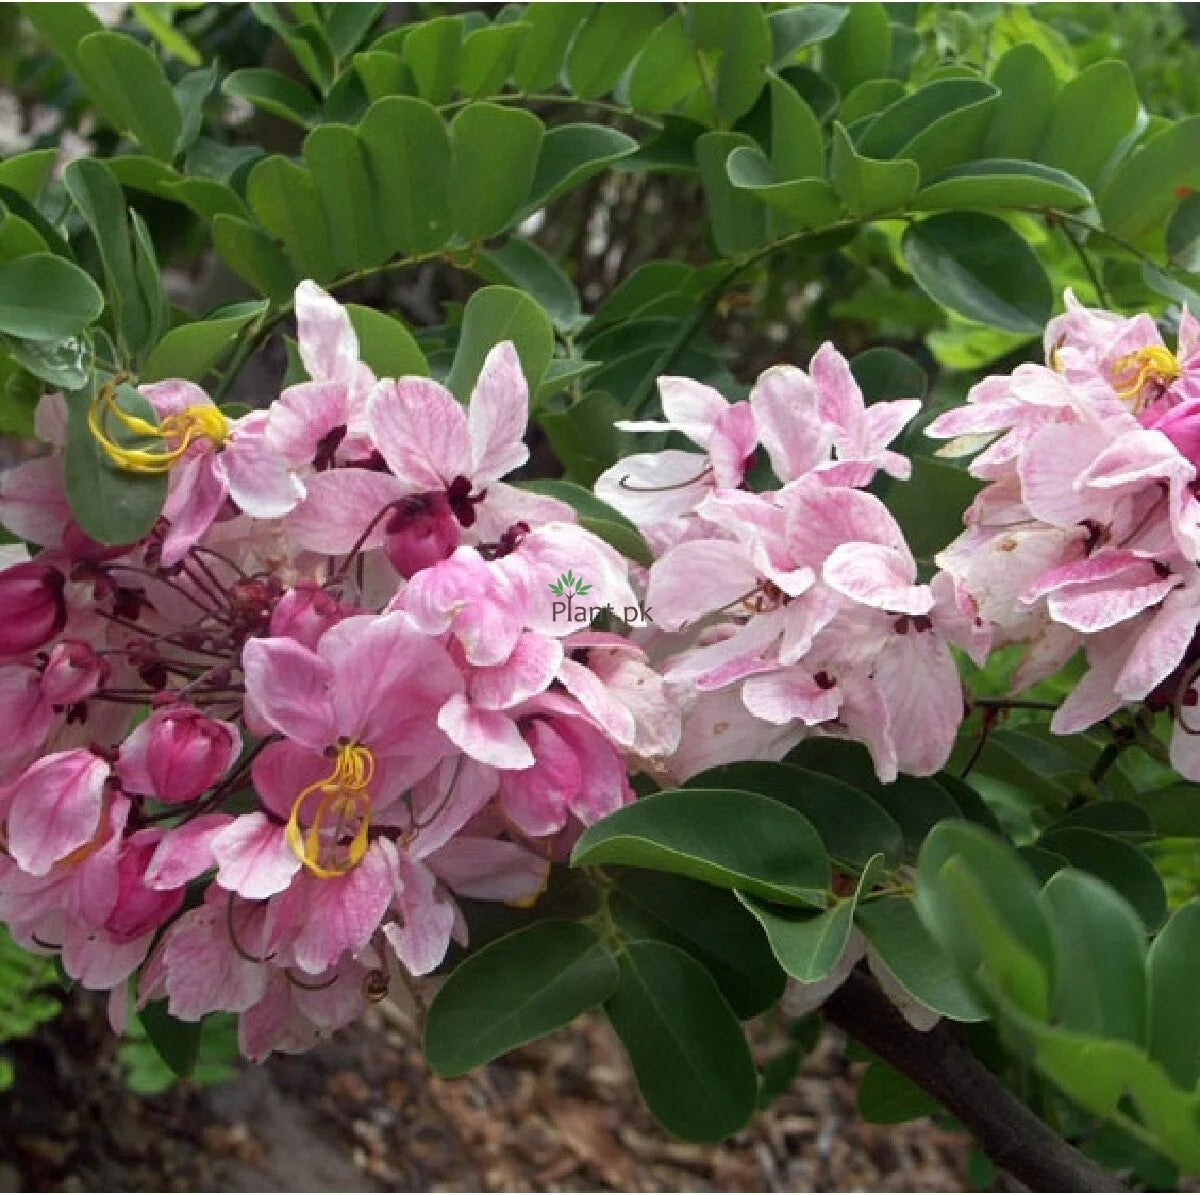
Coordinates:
<point>253,761</point>
<point>1087,532</point>
<point>795,608</point>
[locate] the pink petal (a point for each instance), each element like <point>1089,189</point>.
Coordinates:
<point>878,576</point>
<point>497,416</point>
<point>185,852</point>
<point>529,670</point>
<point>790,695</point>
<point>422,938</point>
<point>260,482</point>
<point>344,912</point>
<point>341,506</point>
<point>788,419</point>
<point>422,432</point>
<point>653,487</point>
<point>55,808</point>
<point>303,415</point>
<point>204,971</point>
<point>198,492</point>
<point>253,857</point>
<point>291,688</point>
<point>696,578</point>
<point>324,335</point>
<point>491,869</point>
<point>598,699</point>
<point>486,735</point>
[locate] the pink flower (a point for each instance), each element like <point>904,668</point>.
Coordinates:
<point>221,458</point>
<point>323,420</point>
<point>176,754</point>
<point>434,448</point>
<point>33,608</point>
<point>658,486</point>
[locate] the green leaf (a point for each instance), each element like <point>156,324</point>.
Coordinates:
<point>666,71</point>
<point>63,363</point>
<point>596,516</point>
<point>802,25</point>
<point>689,1054</point>
<point>804,202</point>
<point>28,173</point>
<point>487,58</point>
<point>997,183</point>
<point>978,267</point>
<point>432,51</point>
<point>252,255</point>
<point>100,201</point>
<point>860,49</point>
<point>922,111</point>
<point>980,902</point>
<point>385,344</point>
<point>284,198</point>
<point>918,964</point>
<point>917,804</point>
<point>150,285</point>
<point>739,220</point>
<point>721,836</point>
<point>571,154</point>
<point>515,990</point>
<point>543,50</point>
<point>177,1042</point>
<point>63,27</point>
<point>1183,235</point>
<point>1145,187</point>
<point>492,167</point>
<point>853,826</point>
<point>44,297</point>
<point>274,93</point>
<point>1094,113</point>
<point>709,924</point>
<point>408,146</point>
<point>493,314</point>
<point>383,74</point>
<point>111,505</point>
<point>1174,978</point>
<point>869,187</point>
<point>1174,812</point>
<point>347,25</point>
<point>191,350</point>
<point>797,145</point>
<point>1119,863</point>
<point>524,265</point>
<point>1100,981</point>
<point>807,945</point>
<point>885,1096</point>
<point>129,87</point>
<point>884,374</point>
<point>605,45</point>
<point>740,34</point>
<point>18,238</point>
<point>1023,113</point>
<point>583,436</point>
<point>929,505</point>
<point>338,163</point>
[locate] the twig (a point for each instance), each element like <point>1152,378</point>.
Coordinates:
<point>941,1063</point>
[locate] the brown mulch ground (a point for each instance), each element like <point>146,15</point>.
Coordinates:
<point>363,1114</point>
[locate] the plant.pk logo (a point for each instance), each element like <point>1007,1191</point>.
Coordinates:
<point>569,587</point>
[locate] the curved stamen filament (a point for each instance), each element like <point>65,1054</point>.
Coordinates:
<point>184,427</point>
<point>1134,370</point>
<point>662,489</point>
<point>342,818</point>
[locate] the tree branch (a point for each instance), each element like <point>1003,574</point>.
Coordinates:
<point>941,1063</point>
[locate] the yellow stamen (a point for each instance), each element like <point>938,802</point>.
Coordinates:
<point>184,427</point>
<point>1151,364</point>
<point>336,838</point>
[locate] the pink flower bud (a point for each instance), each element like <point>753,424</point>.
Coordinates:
<point>32,607</point>
<point>422,531</point>
<point>176,754</point>
<point>72,673</point>
<point>305,614</point>
<point>1181,425</point>
<point>139,908</point>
